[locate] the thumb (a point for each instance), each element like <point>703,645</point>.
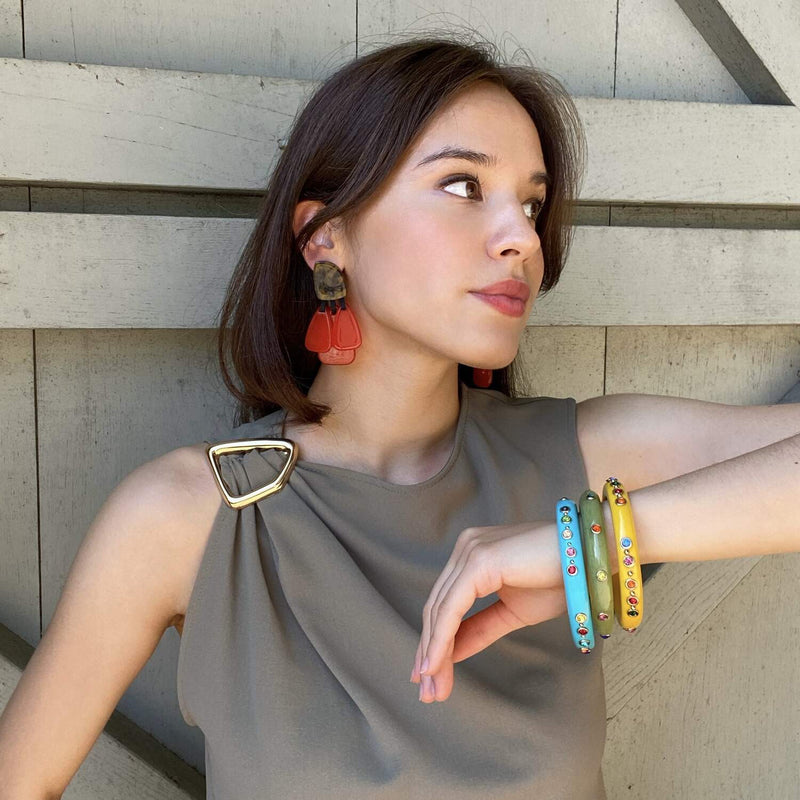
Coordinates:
<point>485,627</point>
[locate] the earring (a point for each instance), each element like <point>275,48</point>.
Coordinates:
<point>333,332</point>
<point>482,377</point>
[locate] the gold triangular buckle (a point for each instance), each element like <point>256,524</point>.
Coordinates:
<point>213,451</point>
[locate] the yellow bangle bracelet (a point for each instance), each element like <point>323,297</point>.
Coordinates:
<point>628,580</point>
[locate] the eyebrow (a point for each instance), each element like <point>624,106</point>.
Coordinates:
<point>483,159</point>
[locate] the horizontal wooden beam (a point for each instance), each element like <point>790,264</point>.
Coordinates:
<point>120,271</point>
<point>676,276</point>
<point>654,151</point>
<point>94,125</point>
<point>69,123</point>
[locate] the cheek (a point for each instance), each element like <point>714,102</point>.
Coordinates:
<point>538,272</point>
<point>412,259</point>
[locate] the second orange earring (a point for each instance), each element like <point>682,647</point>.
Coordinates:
<point>333,332</point>
<point>482,377</point>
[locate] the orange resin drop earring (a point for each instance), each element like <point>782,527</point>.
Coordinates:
<point>482,377</point>
<point>333,332</point>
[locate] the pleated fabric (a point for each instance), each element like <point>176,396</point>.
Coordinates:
<point>304,620</point>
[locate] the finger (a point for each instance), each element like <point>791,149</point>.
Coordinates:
<point>508,555</point>
<point>415,676</point>
<point>445,577</point>
<point>438,689</point>
<point>473,538</point>
<point>444,680</point>
<point>478,578</point>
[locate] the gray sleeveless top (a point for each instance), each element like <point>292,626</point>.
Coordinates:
<point>303,624</point>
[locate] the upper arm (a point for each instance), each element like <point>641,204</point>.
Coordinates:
<point>644,439</point>
<point>121,593</point>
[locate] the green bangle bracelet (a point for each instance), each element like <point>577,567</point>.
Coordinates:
<point>598,571</point>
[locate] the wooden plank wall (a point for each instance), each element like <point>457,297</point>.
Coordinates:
<point>104,366</point>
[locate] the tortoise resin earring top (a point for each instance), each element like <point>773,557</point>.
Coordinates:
<point>333,332</point>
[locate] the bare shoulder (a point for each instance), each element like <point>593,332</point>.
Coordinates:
<point>174,495</point>
<point>126,586</point>
<point>185,489</point>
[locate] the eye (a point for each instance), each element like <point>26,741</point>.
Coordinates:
<point>536,203</point>
<point>459,179</point>
<point>537,207</point>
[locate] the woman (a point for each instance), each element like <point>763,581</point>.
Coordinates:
<point>419,182</point>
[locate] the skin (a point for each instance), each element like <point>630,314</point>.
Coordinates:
<point>395,411</point>
<point>416,253</point>
<point>414,256</point>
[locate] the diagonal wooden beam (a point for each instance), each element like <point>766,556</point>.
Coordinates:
<point>756,42</point>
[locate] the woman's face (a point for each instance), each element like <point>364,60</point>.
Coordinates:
<point>433,236</point>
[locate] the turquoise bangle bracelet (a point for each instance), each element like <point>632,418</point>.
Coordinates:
<point>574,574</point>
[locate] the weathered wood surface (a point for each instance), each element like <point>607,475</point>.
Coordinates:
<point>701,691</point>
<point>307,40</point>
<point>706,695</point>
<point>122,271</point>
<point>757,43</point>
<point>242,36</point>
<point>662,56</point>
<point>11,28</point>
<point>107,402</point>
<point>220,132</point>
<point>738,364</point>
<point>19,514</point>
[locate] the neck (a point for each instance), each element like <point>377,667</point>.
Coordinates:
<point>397,426</point>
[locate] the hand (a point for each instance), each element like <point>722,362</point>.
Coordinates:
<point>521,563</point>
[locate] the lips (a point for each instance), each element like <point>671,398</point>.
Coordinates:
<point>509,288</point>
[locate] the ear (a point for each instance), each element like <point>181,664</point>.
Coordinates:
<point>320,246</point>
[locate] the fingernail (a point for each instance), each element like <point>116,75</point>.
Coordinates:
<point>420,690</point>
<point>425,665</point>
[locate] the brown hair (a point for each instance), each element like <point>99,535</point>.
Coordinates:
<point>342,146</point>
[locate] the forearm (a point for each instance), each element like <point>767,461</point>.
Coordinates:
<point>744,506</point>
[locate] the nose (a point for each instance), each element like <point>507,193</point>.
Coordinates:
<point>515,233</point>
